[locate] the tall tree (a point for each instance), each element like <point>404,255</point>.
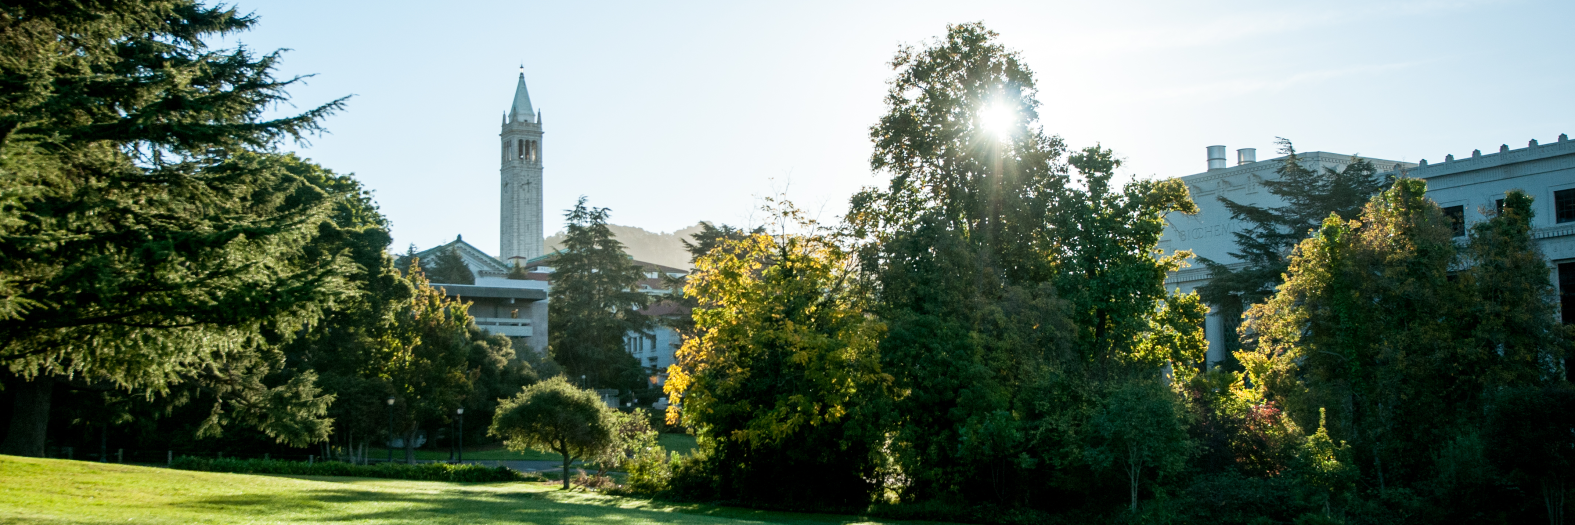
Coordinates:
<point>147,239</point>
<point>594,305</point>
<point>1365,326</point>
<point>1002,284</point>
<point>1309,196</point>
<point>780,374</point>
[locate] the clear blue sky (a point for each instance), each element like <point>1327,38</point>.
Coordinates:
<point>672,113</point>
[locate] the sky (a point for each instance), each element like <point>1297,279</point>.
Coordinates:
<point>671,113</point>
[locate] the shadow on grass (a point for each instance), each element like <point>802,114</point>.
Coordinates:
<point>490,503</point>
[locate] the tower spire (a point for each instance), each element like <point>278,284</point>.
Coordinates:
<point>521,108</point>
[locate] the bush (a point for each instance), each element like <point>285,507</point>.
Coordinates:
<point>651,471</point>
<point>417,472</point>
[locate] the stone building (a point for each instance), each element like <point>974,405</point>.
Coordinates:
<point>520,231</point>
<point>1467,188</point>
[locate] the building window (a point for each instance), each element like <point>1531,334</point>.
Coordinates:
<point>1457,219</point>
<point>1498,207</point>
<point>1567,292</point>
<point>1564,205</point>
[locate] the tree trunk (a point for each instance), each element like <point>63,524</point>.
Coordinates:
<point>29,418</point>
<point>1553,497</point>
<point>410,447</point>
<point>564,451</point>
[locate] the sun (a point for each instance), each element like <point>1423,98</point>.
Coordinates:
<point>997,120</point>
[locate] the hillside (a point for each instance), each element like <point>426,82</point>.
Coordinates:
<point>656,247</point>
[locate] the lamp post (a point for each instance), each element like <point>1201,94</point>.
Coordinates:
<point>390,443</point>
<point>461,435</point>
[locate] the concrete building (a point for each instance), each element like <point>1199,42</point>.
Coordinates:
<point>513,307</point>
<point>1468,188</point>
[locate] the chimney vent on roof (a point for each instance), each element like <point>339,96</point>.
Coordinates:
<point>1216,158</point>
<point>1246,156</point>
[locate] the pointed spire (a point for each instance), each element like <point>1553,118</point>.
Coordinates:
<point>521,109</point>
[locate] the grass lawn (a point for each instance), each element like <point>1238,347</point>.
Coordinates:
<point>681,443</point>
<point>52,491</point>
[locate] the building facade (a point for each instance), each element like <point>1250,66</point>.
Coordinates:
<point>513,307</point>
<point>1467,188</point>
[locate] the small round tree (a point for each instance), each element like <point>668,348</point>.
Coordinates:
<point>556,416</point>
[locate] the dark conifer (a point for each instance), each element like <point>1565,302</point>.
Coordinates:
<point>593,304</point>
<point>449,268</point>
<point>1265,244</point>
<point>149,236</point>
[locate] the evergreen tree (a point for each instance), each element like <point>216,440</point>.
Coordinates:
<point>593,304</point>
<point>1271,232</point>
<point>147,237</point>
<point>448,267</point>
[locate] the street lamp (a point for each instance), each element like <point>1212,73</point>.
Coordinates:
<point>390,443</point>
<point>461,413</point>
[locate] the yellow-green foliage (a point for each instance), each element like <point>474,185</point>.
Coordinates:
<point>777,317</point>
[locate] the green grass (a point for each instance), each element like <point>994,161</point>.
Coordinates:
<point>52,491</point>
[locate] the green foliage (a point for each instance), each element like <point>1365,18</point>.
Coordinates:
<point>1405,337</point>
<point>150,235</point>
<point>1325,465</point>
<point>593,303</point>
<point>555,415</point>
<point>449,268</point>
<point>1138,428</point>
<point>1009,294</point>
<point>1532,441</point>
<point>418,472</point>
<point>1265,245</point>
<point>631,435</point>
<point>781,369</point>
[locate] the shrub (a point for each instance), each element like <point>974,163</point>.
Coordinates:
<point>593,481</point>
<point>651,471</point>
<point>417,472</point>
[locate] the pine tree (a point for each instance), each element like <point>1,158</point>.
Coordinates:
<point>448,267</point>
<point>593,304</point>
<point>148,235</point>
<point>1272,232</point>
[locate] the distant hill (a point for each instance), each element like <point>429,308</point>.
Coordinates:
<point>666,249</point>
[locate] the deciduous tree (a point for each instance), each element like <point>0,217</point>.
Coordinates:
<point>555,415</point>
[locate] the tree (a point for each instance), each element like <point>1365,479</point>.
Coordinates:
<point>1139,427</point>
<point>426,357</point>
<point>556,416</point>
<point>1531,440</point>
<point>780,372</point>
<point>1265,245</point>
<point>1008,292</point>
<point>147,236</point>
<point>632,435</point>
<point>449,268</point>
<point>593,303</point>
<point>1367,314</point>
<point>708,238</point>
